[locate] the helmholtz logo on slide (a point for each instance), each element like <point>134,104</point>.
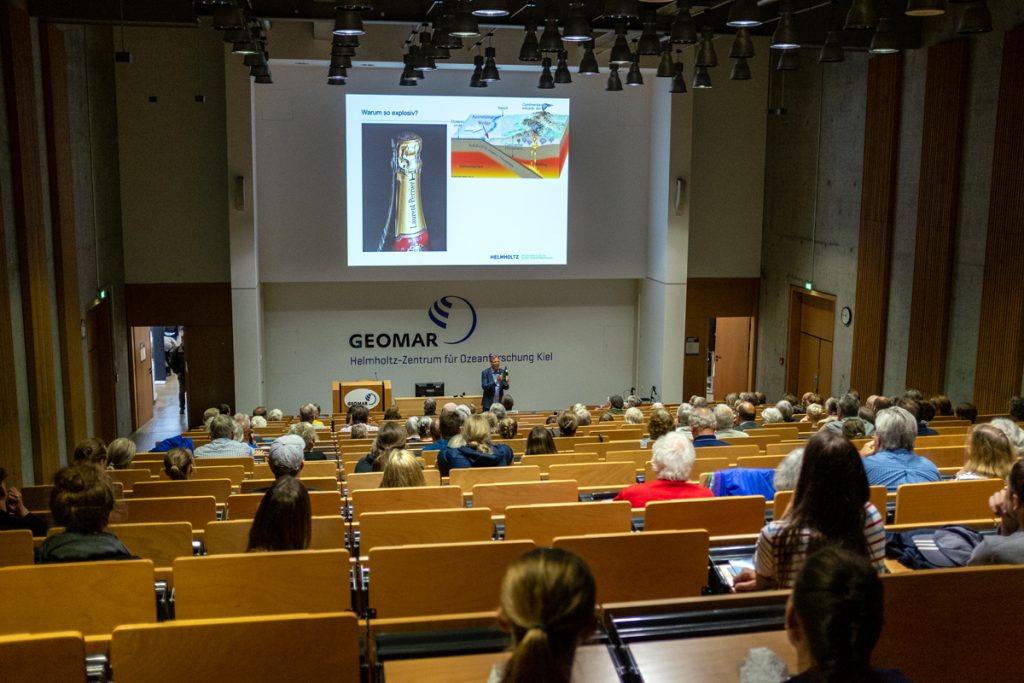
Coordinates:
<point>457,319</point>
<point>453,314</point>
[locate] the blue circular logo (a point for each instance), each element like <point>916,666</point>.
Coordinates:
<point>453,314</point>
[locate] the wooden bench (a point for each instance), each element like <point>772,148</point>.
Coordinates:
<point>413,498</point>
<point>245,505</point>
<point>130,477</point>
<point>246,462</point>
<point>235,473</point>
<point>543,523</point>
<point>733,453</point>
<point>467,478</point>
<point>196,510</point>
<point>422,527</point>
<point>418,580</point>
<point>603,476</point>
<point>783,447</point>
<point>311,468</point>
<point>967,610</point>
<point>232,535</point>
<point>220,489</point>
<point>48,658</point>
<point>372,480</point>
<point>16,548</point>
<point>945,501</point>
<point>761,439</point>
<point>159,542</point>
<point>651,565</point>
<point>547,460</point>
<point>90,597</point>
<point>879,497</point>
<point>767,462</point>
<point>318,483</point>
<point>320,647</point>
<point>718,516</point>
<point>37,498</point>
<point>944,456</point>
<point>497,497</point>
<point>301,581</point>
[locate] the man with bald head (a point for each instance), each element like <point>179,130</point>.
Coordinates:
<point>746,413</point>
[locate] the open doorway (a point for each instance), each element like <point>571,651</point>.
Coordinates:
<point>730,356</point>
<point>812,319</point>
<point>159,383</point>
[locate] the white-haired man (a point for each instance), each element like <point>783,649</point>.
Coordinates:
<point>702,426</point>
<point>223,441</point>
<point>725,423</point>
<point>683,420</point>
<point>672,459</point>
<point>892,461</point>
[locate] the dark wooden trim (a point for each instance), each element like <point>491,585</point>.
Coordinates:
<point>33,264</point>
<point>1000,361</point>
<point>62,216</point>
<point>10,425</point>
<point>938,205</point>
<point>877,213</point>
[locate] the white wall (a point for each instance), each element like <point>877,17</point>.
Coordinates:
<point>588,327</point>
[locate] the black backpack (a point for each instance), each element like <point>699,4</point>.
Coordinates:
<point>941,548</point>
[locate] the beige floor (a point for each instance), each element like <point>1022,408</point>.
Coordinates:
<point>166,420</point>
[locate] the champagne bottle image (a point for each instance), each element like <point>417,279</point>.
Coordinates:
<point>408,228</point>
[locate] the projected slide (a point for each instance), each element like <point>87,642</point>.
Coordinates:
<point>456,180</point>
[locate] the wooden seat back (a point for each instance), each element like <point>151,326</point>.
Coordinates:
<point>319,483</point>
<point>220,489</point>
<point>786,430</point>
<point>879,497</point>
<point>130,477</point>
<point>219,586</point>
<point>422,527</point>
<point>944,456</point>
<point>245,505</point>
<point>232,535</point>
<point>321,647</point>
<point>733,453</point>
<point>783,447</point>
<point>467,478</point>
<point>160,542</point>
<point>972,609</point>
<point>395,590</point>
<point>612,473</point>
<point>48,658</point>
<point>311,468</point>
<point>196,510</point>
<point>760,438</point>
<point>945,501</point>
<point>234,473</point>
<point>16,548</point>
<point>246,462</point>
<point>412,498</point>
<point>497,497</point>
<point>90,597</point>
<point>768,462</point>
<point>546,461</point>
<point>372,480</point>
<point>542,523</point>
<point>37,498</point>
<point>940,440</point>
<point>653,565</point>
<point>718,516</point>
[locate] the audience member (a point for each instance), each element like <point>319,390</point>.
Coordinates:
<point>224,409</point>
<point>508,428</point>
<point>223,444</point>
<point>429,407</point>
<point>284,519</point>
<point>478,451</point>
<point>683,419</point>
<point>92,451</point>
<point>449,425</point>
<point>1015,408</point>
<point>492,421</point>
<point>13,513</point>
<point>120,453</point>
<point>401,469</point>
<point>81,501</point>
<point>834,619</point>
<point>178,464</point>
<point>848,408</point>
<point>243,429</point>
<point>1008,503</point>
<point>966,411</point>
<point>1013,432</point>
<point>854,428</point>
<point>747,416</point>
<point>390,437</point>
<point>498,410</point>
<point>702,426</point>
<point>788,471</point>
<point>540,442</point>
<point>813,413</point>
<point>259,411</point>
<point>760,398</point>
<point>633,416</point>
<point>672,459</point>
<point>830,505</point>
<point>606,417</point>
<point>725,423</point>
<point>943,406</point>
<point>208,415</point>
<point>616,404</point>
<point>867,415</point>
<point>509,403</point>
<point>567,423</point>
<point>771,416</point>
<point>392,413</point>
<point>275,415</point>
<point>360,431</point>
<point>891,460</point>
<point>258,421</point>
<point>548,601</point>
<point>358,415</point>
<point>925,414</point>
<point>659,424</point>
<point>307,432</point>
<point>785,409</point>
<point>990,455</point>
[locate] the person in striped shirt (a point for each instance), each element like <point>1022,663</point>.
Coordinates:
<point>830,506</point>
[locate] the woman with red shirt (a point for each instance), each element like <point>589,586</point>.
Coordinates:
<point>672,459</point>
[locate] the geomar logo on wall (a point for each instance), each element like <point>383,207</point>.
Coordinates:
<point>453,315</point>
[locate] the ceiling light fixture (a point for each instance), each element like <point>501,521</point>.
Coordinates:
<point>577,26</point>
<point>742,45</point>
<point>862,16</point>
<point>744,13</point>
<point>477,80</point>
<point>678,80</point>
<point>614,84</point>
<point>550,41</point>
<point>832,50</point>
<point>490,8</point>
<point>348,23</point>
<point>925,8</point>
<point>885,41</point>
<point>562,74</point>
<point>490,71</point>
<point>740,70</point>
<point>588,64</point>
<point>684,31</point>
<point>547,81</point>
<point>530,50</point>
<point>701,78</point>
<point>975,18</point>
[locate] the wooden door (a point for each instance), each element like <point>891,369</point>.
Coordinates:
<point>732,356</point>
<point>812,325</point>
<point>100,334</point>
<point>142,376</point>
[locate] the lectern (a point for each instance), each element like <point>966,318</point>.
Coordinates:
<point>372,393</point>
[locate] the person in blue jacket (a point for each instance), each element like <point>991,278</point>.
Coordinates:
<point>477,449</point>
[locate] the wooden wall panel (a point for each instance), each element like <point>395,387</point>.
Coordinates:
<point>30,236</point>
<point>877,211</point>
<point>1000,361</point>
<point>62,216</point>
<point>10,430</point>
<point>710,298</point>
<point>938,203</point>
<point>205,311</point>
